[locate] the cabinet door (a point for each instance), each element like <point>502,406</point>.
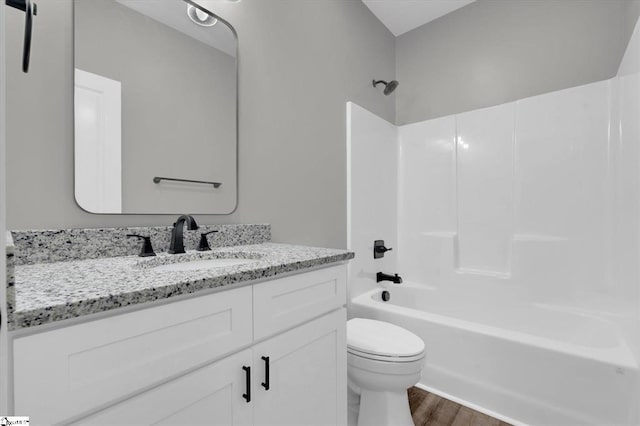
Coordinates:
<point>307,375</point>
<point>94,364</point>
<point>212,395</point>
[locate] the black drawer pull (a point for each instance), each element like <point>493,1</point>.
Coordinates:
<point>247,396</point>
<point>265,384</point>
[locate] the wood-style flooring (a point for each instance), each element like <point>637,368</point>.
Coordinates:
<point>428,409</point>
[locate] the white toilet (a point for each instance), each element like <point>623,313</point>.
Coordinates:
<point>384,360</point>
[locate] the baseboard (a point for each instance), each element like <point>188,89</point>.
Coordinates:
<point>468,404</point>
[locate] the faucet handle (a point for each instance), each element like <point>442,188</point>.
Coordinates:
<point>379,249</point>
<point>147,248</point>
<point>204,243</point>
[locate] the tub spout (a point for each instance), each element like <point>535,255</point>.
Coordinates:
<point>386,277</point>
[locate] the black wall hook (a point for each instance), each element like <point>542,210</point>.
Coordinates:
<point>30,9</point>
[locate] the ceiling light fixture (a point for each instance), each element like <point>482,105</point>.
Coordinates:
<point>200,17</point>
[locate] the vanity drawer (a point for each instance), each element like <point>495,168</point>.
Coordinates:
<point>62,373</point>
<point>289,301</point>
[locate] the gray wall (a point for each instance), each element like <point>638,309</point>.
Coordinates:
<point>178,107</point>
<point>300,61</point>
<point>4,356</point>
<point>496,51</point>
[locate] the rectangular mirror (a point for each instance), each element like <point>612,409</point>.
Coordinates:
<point>155,108</point>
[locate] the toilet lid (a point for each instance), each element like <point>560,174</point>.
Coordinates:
<point>381,338</point>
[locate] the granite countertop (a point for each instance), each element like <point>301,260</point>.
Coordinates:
<point>48,292</point>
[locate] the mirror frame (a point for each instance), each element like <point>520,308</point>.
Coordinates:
<point>237,173</point>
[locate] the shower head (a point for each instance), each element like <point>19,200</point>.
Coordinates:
<point>389,86</point>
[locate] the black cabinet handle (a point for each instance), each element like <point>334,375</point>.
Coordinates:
<point>265,384</point>
<point>247,396</point>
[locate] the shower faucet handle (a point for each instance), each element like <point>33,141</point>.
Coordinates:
<point>379,249</point>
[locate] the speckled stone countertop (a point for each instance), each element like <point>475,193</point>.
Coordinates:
<point>48,292</point>
<point>57,245</point>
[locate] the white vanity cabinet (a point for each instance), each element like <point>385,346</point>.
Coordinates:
<point>189,361</point>
<point>307,375</point>
<point>62,373</point>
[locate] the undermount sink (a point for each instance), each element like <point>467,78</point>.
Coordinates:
<point>197,261</point>
<point>195,265</point>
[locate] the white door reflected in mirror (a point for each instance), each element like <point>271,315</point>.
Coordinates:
<point>98,140</point>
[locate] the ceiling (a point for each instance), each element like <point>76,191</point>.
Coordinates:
<point>401,16</point>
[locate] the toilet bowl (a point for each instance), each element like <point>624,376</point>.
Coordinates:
<point>383,361</point>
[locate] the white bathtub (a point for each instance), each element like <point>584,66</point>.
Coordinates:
<point>528,364</point>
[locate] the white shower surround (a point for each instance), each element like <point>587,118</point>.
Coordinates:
<point>517,228</point>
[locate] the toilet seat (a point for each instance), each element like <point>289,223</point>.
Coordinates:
<point>385,358</point>
<point>382,341</point>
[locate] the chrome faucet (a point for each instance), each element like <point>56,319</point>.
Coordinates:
<point>177,238</point>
